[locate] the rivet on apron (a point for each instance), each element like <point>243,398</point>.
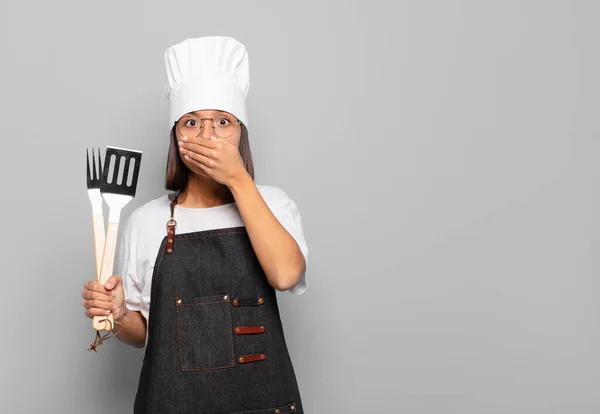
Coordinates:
<point>277,411</point>
<point>261,300</point>
<point>178,300</point>
<point>225,297</point>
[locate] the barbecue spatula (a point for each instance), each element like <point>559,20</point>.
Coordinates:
<point>119,182</point>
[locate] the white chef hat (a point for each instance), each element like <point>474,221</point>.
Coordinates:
<point>207,73</point>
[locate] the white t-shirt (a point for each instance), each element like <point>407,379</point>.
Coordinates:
<point>143,231</point>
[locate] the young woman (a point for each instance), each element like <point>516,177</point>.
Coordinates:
<point>199,292</point>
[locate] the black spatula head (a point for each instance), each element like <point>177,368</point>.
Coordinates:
<point>120,171</point>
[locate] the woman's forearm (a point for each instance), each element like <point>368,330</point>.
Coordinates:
<point>276,250</point>
<point>132,329</point>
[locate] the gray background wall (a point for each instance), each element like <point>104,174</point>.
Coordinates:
<point>443,156</point>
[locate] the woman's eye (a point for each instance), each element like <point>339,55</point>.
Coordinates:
<point>223,122</point>
<point>190,123</point>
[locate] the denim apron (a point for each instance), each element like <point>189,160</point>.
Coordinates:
<point>215,339</point>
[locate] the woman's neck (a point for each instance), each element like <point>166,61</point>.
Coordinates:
<point>204,192</point>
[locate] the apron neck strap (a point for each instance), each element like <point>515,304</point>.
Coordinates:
<point>171,224</point>
<point>173,198</point>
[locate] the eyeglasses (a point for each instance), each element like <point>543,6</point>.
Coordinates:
<point>191,125</point>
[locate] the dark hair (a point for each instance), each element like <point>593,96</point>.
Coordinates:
<point>177,172</point>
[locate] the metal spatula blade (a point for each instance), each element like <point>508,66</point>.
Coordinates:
<point>112,180</point>
<point>119,182</point>
<point>119,178</point>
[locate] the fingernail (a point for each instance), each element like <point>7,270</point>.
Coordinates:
<point>107,311</point>
<point>108,285</point>
<point>184,138</point>
<point>213,138</point>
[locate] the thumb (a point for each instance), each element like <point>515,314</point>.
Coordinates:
<point>112,282</point>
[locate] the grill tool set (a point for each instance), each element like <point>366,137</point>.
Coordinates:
<point>115,182</point>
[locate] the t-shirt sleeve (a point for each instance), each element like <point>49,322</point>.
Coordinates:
<point>286,211</point>
<point>126,267</point>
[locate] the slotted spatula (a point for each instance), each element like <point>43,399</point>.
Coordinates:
<point>119,182</point>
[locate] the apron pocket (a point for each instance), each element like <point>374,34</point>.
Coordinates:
<point>204,332</point>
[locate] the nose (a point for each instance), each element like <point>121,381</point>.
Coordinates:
<point>206,130</point>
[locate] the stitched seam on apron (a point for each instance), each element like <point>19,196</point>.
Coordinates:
<point>152,298</point>
<point>271,409</point>
<point>269,363</point>
<point>205,369</point>
<point>203,236</point>
<point>179,338</point>
<point>197,304</point>
<point>231,329</point>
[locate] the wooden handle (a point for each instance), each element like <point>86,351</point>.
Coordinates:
<point>99,237</point>
<point>104,323</point>
<point>108,258</point>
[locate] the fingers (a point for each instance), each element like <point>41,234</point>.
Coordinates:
<point>94,286</point>
<point>201,149</point>
<point>90,295</point>
<point>198,155</point>
<point>99,301</point>
<point>206,142</point>
<point>90,313</point>
<point>112,282</point>
<point>99,294</point>
<point>101,305</point>
<point>95,307</point>
<point>205,146</point>
<point>199,159</point>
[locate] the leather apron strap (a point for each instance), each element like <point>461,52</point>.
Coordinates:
<point>171,224</point>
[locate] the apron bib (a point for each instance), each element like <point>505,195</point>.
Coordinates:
<point>215,339</point>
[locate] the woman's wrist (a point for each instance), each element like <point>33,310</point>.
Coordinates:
<point>238,184</point>
<point>119,317</point>
<point>130,328</point>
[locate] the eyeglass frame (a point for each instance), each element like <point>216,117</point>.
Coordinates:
<point>212,124</point>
